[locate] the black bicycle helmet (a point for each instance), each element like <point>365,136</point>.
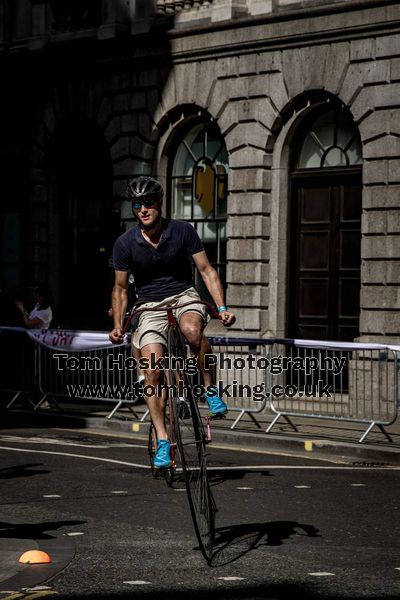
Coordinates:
<point>143,187</point>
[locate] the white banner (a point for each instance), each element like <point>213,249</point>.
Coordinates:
<point>70,341</point>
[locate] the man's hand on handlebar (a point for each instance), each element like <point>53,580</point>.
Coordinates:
<point>227,318</point>
<point>116,335</point>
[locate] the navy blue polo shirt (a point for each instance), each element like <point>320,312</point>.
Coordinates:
<point>163,271</point>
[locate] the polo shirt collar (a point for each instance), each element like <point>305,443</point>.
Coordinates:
<point>166,232</point>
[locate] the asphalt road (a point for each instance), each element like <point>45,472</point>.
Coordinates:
<point>286,526</point>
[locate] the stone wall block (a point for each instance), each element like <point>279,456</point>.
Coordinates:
<point>248,249</point>
<point>383,272</point>
<point>223,91</point>
<point>376,171</point>
<point>105,111</point>
<point>185,83</point>
<point>386,196</point>
<point>248,295</point>
<point>376,124</point>
<point>248,64</point>
<point>246,133</point>
<point>379,246</point>
<point>128,167</point>
<point>229,117</point>
<point>386,95</point>
<point>249,179</point>
<point>388,45</point>
<point>362,50</point>
<point>250,204</point>
<point>247,272</point>
<point>113,129</point>
<point>205,77</point>
<point>394,121</point>
<point>395,69</point>
<point>374,222</point>
<point>238,227</point>
<point>313,61</point>
<point>259,7</point>
<point>394,170</point>
<point>168,97</point>
<point>120,148</point>
<point>337,61</point>
<point>292,70</point>
<point>140,149</point>
<point>257,109</point>
<point>227,67</point>
<point>129,123</point>
<point>249,157</point>
<point>386,146</point>
<point>380,322</point>
<point>269,62</point>
<point>122,102</point>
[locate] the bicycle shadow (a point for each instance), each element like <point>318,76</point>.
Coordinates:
<point>233,542</point>
<point>220,475</point>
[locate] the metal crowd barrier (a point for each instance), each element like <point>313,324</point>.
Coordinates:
<point>291,378</point>
<point>18,365</point>
<point>98,375</point>
<point>344,382</point>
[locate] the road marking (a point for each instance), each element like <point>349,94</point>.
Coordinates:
<point>72,533</point>
<point>231,578</point>
<point>119,492</point>
<point>244,488</point>
<point>322,574</point>
<point>62,442</point>
<point>37,588</point>
<point>397,568</point>
<point>138,582</point>
<point>357,484</point>
<point>302,487</point>
<point>51,496</point>
<point>221,468</point>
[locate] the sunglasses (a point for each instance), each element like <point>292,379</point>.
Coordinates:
<point>147,203</point>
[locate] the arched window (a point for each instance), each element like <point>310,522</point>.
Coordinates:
<point>331,141</point>
<point>199,191</point>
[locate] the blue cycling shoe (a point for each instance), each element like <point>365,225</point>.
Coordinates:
<point>162,459</point>
<point>217,406</point>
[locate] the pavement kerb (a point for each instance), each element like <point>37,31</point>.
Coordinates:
<point>368,454</point>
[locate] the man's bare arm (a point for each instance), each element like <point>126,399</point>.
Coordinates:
<point>213,284</point>
<point>119,300</point>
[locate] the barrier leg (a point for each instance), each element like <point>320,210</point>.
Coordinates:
<point>144,417</point>
<point>372,425</point>
<point>242,413</point>
<point>15,398</point>
<point>49,398</point>
<point>114,410</point>
<point>270,426</point>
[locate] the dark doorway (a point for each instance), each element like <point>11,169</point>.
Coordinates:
<point>325,234</point>
<point>81,177</point>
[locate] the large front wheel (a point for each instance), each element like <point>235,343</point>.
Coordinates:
<point>190,437</point>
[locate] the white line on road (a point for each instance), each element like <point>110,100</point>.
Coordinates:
<point>221,468</point>
<point>302,487</point>
<point>138,582</point>
<point>51,496</point>
<point>231,578</point>
<point>358,484</point>
<point>244,488</point>
<point>73,533</point>
<point>322,574</point>
<point>119,492</point>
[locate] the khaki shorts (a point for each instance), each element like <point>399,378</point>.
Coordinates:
<point>152,328</point>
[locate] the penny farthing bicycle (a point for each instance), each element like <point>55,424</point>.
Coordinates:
<point>186,432</point>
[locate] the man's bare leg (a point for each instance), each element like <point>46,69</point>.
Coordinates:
<point>192,327</point>
<point>155,403</point>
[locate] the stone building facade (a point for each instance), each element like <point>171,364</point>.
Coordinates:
<point>296,106</point>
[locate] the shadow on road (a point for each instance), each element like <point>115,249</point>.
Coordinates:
<point>21,471</point>
<point>36,531</point>
<point>235,541</point>
<point>217,477</point>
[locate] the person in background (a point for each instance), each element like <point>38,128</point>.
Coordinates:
<point>41,315</point>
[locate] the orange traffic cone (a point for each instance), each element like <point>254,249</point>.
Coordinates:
<point>34,557</point>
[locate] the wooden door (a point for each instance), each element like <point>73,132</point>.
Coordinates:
<point>325,257</point>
